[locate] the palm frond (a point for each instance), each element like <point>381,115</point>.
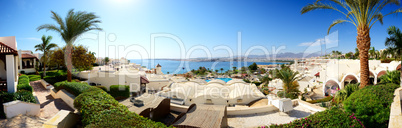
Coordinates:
<point>335,23</point>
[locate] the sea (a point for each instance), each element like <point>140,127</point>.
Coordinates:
<point>179,67</point>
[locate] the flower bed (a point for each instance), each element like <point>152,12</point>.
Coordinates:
<point>333,117</point>
<point>23,83</point>
<point>99,109</point>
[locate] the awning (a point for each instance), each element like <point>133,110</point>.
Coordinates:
<point>5,49</point>
<point>144,80</point>
<point>317,74</point>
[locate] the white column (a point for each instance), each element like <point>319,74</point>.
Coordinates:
<point>10,67</point>
<point>19,59</point>
<point>34,63</point>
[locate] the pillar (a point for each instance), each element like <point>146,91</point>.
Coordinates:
<point>10,66</point>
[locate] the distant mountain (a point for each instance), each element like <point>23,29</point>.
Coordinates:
<point>288,55</point>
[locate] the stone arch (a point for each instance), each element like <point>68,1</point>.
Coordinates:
<point>331,87</point>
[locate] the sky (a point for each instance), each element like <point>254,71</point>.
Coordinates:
<point>139,29</point>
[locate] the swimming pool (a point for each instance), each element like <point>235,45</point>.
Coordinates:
<point>224,79</point>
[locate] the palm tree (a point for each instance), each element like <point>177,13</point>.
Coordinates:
<point>221,70</point>
<point>394,41</point>
<point>372,52</point>
<point>363,14</point>
<point>289,79</point>
<point>74,25</point>
<point>45,47</point>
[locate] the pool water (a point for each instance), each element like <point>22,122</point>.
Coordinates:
<point>224,79</point>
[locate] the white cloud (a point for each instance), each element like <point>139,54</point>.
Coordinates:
<point>33,38</point>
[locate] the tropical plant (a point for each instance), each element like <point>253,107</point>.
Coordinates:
<point>74,25</point>
<point>265,80</point>
<point>57,58</point>
<point>394,41</point>
<point>363,14</point>
<point>221,70</point>
<point>45,47</point>
<point>349,55</point>
<point>391,77</point>
<point>344,93</point>
<point>289,79</point>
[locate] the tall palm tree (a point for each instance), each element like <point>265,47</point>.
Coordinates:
<point>45,47</point>
<point>394,41</point>
<point>221,70</point>
<point>74,25</point>
<point>361,13</point>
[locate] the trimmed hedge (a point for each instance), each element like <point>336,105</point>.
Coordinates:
<point>99,109</point>
<point>330,118</point>
<point>326,99</point>
<point>22,95</point>
<point>102,87</point>
<point>23,83</point>
<point>74,88</point>
<point>372,104</point>
<point>120,91</point>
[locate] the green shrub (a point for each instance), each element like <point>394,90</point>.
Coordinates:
<point>99,109</point>
<point>283,94</point>
<point>74,88</point>
<point>372,104</point>
<point>326,99</point>
<point>102,87</point>
<point>23,83</point>
<point>344,93</point>
<point>330,118</point>
<point>25,96</point>
<point>22,95</point>
<point>120,91</point>
<point>391,77</point>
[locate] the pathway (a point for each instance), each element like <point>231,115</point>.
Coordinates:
<point>49,106</point>
<point>22,121</point>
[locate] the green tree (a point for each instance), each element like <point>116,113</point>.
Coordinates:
<point>106,60</point>
<point>391,77</point>
<point>356,55</point>
<point>57,58</point>
<point>74,25</point>
<point>221,70</point>
<point>349,55</point>
<point>253,67</point>
<point>45,47</point>
<point>394,41</point>
<point>363,14</point>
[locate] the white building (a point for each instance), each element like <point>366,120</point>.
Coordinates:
<point>8,64</point>
<point>28,61</point>
<point>335,74</point>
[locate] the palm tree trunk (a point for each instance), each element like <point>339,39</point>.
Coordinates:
<point>68,61</point>
<point>44,64</point>
<point>363,44</point>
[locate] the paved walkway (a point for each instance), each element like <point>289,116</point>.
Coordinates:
<point>268,118</point>
<point>22,121</point>
<point>48,105</point>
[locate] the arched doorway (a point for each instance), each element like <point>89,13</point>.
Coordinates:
<point>349,79</point>
<point>381,73</point>
<point>331,87</point>
<point>372,78</point>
